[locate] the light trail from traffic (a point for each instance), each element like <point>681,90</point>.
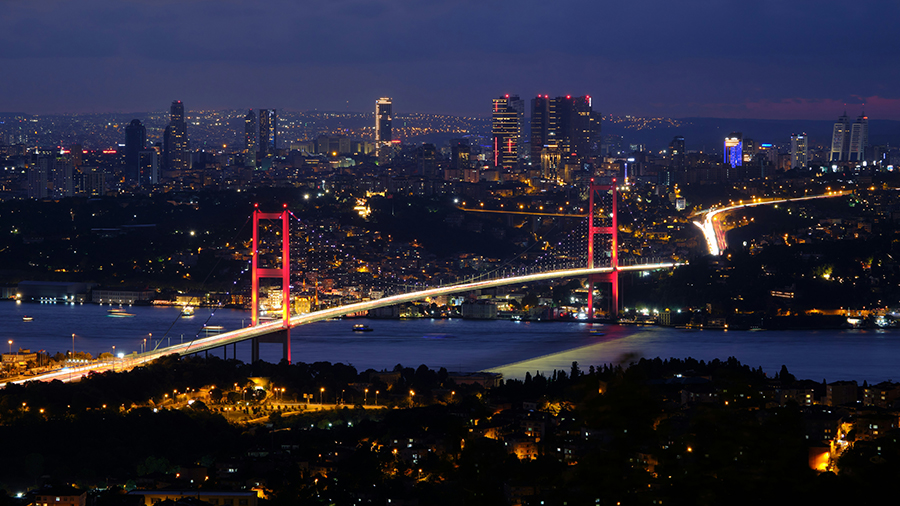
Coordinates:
<point>715,236</point>
<point>235,336</point>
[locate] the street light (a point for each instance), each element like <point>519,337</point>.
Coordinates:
<point>73,346</point>
<point>321,393</point>
<point>411,394</point>
<point>10,346</point>
<point>376,397</point>
<point>114,358</point>
<point>366,397</point>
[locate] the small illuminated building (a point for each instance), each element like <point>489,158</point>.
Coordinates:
<point>60,497</point>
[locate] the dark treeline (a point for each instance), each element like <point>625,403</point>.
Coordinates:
<point>610,434</point>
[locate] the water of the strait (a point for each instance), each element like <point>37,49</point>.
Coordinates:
<point>462,345</point>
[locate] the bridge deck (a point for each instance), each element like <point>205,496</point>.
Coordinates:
<point>235,336</point>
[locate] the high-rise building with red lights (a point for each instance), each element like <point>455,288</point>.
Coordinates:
<point>859,138</point>
<point>507,117</point>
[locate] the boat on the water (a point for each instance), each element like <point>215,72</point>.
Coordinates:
<point>120,314</point>
<point>187,312</point>
<point>27,318</point>
<point>359,327</point>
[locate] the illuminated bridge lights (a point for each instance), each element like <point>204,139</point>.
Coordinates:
<point>234,336</point>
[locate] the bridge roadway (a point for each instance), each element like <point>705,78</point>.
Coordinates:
<point>715,236</point>
<point>235,336</point>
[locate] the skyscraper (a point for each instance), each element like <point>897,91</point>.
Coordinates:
<point>584,128</point>
<point>506,126</point>
<point>734,147</point>
<point>383,114</point>
<point>567,123</point>
<point>840,140</point>
<point>175,142</point>
<point>799,151</point>
<point>426,160</point>
<point>859,139</point>
<point>540,126</point>
<point>135,141</point>
<point>148,162</point>
<point>459,154</point>
<point>250,132</point>
<point>268,132</point>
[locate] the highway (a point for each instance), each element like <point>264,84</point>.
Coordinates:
<point>234,336</point>
<point>715,236</point>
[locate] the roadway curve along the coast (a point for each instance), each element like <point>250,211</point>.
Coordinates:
<point>712,229</point>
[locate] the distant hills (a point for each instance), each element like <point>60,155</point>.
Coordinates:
<point>708,133</point>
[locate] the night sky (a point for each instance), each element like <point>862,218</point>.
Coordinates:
<point>780,59</point>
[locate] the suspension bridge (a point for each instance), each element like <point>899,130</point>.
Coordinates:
<point>597,237</point>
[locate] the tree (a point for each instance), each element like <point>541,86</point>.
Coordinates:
<point>786,377</point>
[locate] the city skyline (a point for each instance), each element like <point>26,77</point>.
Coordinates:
<point>99,56</point>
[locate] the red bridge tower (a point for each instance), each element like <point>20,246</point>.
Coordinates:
<point>600,223</point>
<point>283,337</point>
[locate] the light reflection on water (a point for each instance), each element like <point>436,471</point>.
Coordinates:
<point>811,354</point>
<point>464,345</point>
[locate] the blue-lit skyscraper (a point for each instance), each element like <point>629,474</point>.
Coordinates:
<point>734,150</point>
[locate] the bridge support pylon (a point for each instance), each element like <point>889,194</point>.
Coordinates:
<point>600,223</point>
<point>284,337</point>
